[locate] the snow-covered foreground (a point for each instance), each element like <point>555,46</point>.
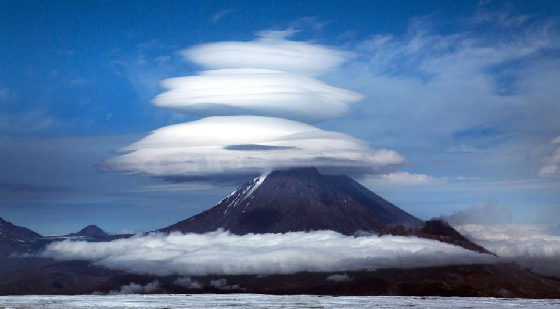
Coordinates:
<point>263,301</point>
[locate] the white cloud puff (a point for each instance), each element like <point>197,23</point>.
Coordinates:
<point>221,253</point>
<point>408,178</point>
<point>270,51</point>
<point>134,288</point>
<point>188,283</point>
<point>255,92</point>
<point>246,145</point>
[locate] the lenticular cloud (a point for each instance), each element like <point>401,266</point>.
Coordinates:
<point>247,88</point>
<point>258,92</point>
<point>270,51</point>
<point>214,146</point>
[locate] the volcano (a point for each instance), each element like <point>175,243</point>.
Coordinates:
<point>299,199</point>
<point>90,231</point>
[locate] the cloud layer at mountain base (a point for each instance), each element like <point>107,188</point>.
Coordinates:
<point>528,245</point>
<point>222,253</point>
<point>246,145</point>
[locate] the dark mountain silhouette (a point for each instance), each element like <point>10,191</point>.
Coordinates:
<point>298,200</point>
<point>16,239</point>
<point>14,232</point>
<point>90,231</point>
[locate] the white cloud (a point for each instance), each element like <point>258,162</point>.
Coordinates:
<point>221,253</point>
<point>135,288</point>
<point>256,92</point>
<point>526,244</point>
<point>221,284</point>
<point>244,145</point>
<point>271,51</point>
<point>408,178</point>
<point>188,283</point>
<point>424,86</point>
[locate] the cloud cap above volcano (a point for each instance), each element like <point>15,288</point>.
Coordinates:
<point>217,147</point>
<point>255,92</point>
<point>270,51</point>
<point>269,76</point>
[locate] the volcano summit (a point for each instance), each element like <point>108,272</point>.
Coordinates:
<point>299,199</point>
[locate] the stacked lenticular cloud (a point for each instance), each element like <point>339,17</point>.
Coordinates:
<point>254,95</point>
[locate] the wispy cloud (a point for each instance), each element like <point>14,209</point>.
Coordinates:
<point>525,244</point>
<point>220,14</point>
<point>6,94</point>
<point>27,122</point>
<point>426,87</point>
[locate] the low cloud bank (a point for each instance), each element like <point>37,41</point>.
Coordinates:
<point>222,253</point>
<point>525,244</point>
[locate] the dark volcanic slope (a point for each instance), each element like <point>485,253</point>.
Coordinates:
<point>297,200</point>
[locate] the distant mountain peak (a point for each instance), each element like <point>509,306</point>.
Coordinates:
<point>90,231</point>
<point>298,199</point>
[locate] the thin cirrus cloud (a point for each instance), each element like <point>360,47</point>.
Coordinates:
<point>247,145</point>
<point>221,253</point>
<point>256,92</point>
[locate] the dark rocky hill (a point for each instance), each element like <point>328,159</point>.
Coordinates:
<point>90,231</point>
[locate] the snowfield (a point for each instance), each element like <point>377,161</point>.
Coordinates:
<point>263,301</point>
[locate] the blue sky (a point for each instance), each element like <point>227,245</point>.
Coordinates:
<point>465,91</point>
